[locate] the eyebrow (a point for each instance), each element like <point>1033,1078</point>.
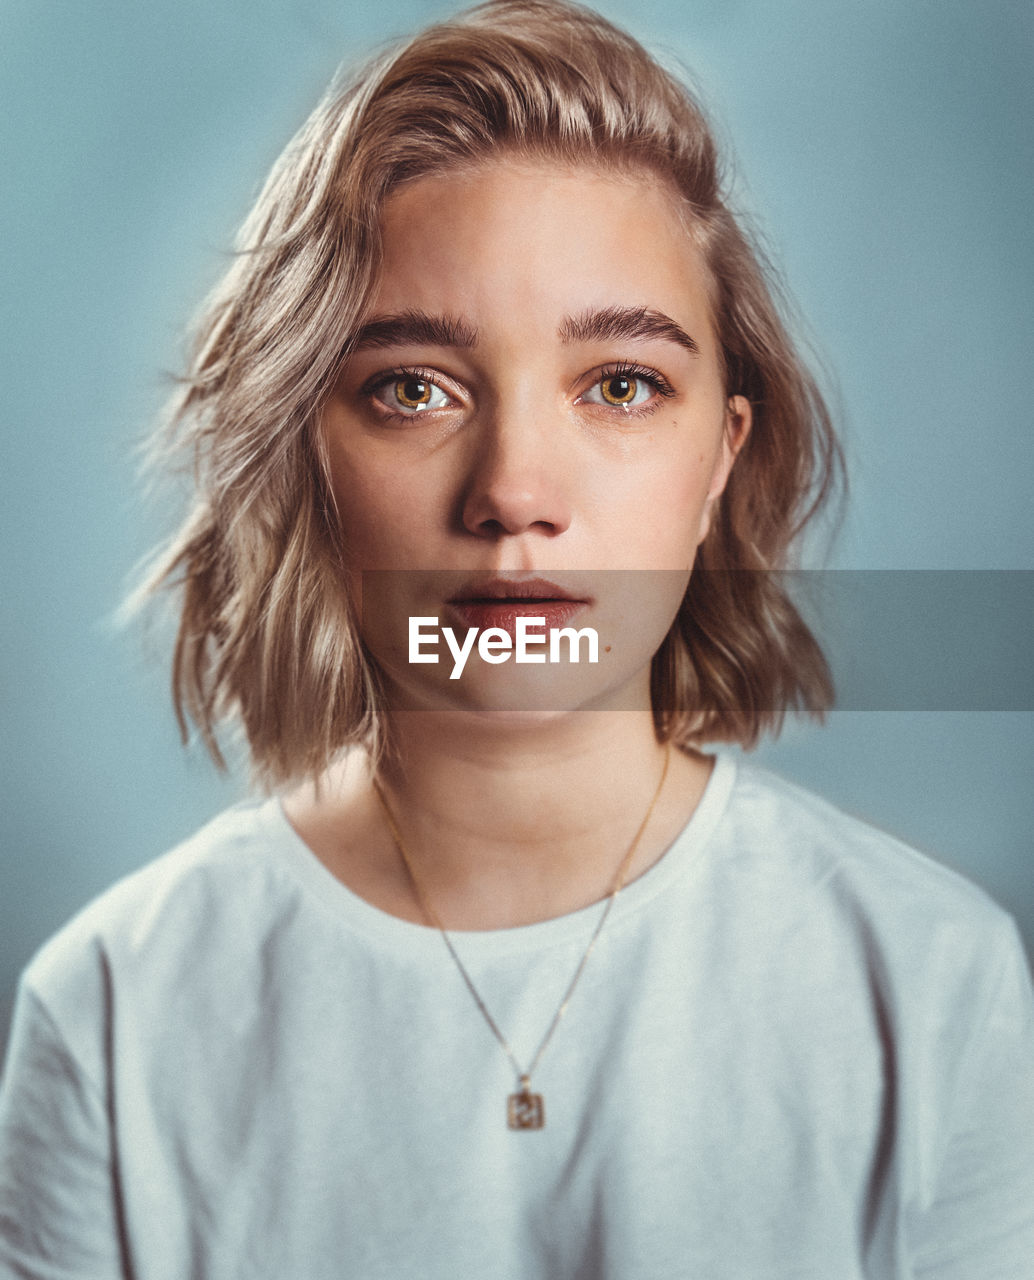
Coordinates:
<point>415,328</point>
<point>604,324</point>
<point>610,323</point>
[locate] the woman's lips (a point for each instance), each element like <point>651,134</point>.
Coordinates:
<point>482,613</point>
<point>499,602</point>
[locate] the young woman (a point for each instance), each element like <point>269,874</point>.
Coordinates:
<point>510,977</point>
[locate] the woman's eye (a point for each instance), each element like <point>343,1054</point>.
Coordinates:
<point>410,394</point>
<point>621,391</point>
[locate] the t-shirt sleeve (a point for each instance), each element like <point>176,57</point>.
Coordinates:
<point>980,1225</point>
<point>58,1215</point>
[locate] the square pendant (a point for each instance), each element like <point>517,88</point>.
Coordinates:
<point>525,1110</point>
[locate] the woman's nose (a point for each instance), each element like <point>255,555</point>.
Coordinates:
<point>517,481</point>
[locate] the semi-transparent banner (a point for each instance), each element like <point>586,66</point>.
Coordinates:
<point>895,640</point>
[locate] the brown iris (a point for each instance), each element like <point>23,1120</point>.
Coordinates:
<point>414,393</point>
<point>619,389</point>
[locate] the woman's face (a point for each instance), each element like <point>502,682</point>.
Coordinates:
<point>536,394</point>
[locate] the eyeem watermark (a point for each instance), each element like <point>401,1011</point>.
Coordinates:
<point>530,643</point>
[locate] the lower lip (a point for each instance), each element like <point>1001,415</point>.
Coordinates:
<point>503,614</point>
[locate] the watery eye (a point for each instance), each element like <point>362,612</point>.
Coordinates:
<point>621,390</point>
<point>412,394</point>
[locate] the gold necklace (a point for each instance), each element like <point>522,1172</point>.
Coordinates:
<point>524,1109</point>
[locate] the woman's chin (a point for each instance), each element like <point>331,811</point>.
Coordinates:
<point>525,697</point>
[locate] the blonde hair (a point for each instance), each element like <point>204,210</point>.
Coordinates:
<point>267,634</point>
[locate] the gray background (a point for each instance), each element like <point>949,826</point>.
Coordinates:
<point>884,150</point>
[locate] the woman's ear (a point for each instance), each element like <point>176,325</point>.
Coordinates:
<point>738,418</point>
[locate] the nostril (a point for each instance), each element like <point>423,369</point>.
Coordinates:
<point>492,514</point>
<point>492,528</point>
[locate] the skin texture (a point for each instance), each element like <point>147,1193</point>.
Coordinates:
<point>518,463</point>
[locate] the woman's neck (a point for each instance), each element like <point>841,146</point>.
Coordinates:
<point>503,825</point>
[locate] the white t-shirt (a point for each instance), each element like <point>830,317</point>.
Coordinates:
<point>800,1050</point>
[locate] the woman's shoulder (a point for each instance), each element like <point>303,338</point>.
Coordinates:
<point>203,893</point>
<point>794,845</point>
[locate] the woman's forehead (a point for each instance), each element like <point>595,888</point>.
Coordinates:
<point>516,184</point>
<point>518,237</point>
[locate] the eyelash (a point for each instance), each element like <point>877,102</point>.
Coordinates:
<point>621,369</point>
<point>637,373</point>
<point>381,380</point>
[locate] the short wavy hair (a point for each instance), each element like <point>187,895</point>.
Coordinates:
<point>267,635</point>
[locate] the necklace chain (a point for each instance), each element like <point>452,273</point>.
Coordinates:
<point>524,1103</point>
